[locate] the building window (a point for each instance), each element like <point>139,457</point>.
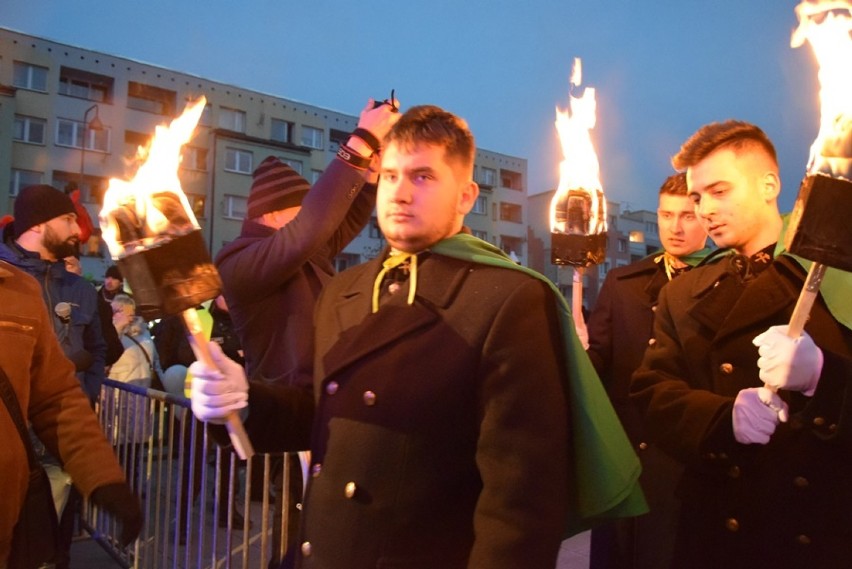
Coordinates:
<point>85,85</point>
<point>294,164</point>
<point>511,246</point>
<point>206,115</point>
<point>232,119</point>
<point>312,137</point>
<point>197,203</point>
<point>194,158</point>
<point>151,99</point>
<point>622,245</point>
<point>71,133</point>
<point>29,129</point>
<point>488,177</point>
<point>511,179</point>
<point>336,139</point>
<point>280,130</point>
<point>511,212</point>
<point>637,237</point>
<point>480,205</point>
<point>28,76</point>
<point>238,161</point>
<point>21,179</point>
<point>345,260</point>
<point>373,228</point>
<point>235,207</point>
<point>480,234</point>
<point>91,188</point>
<point>651,228</point>
<point>315,175</point>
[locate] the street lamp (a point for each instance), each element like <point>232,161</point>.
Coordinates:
<point>93,124</point>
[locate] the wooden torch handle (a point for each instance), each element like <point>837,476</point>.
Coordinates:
<point>806,300</point>
<point>802,310</point>
<point>239,437</point>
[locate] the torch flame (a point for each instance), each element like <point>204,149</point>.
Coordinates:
<point>826,25</point>
<point>152,206</point>
<point>579,206</point>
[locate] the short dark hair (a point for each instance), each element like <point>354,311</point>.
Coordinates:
<point>736,135</point>
<point>428,124</point>
<point>674,185</point>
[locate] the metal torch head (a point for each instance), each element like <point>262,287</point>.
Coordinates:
<point>171,276</point>
<point>577,250</point>
<point>820,229</point>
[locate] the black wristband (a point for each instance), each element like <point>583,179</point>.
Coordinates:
<point>353,158</point>
<point>369,138</point>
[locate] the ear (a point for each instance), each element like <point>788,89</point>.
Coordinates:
<point>467,197</point>
<point>771,186</point>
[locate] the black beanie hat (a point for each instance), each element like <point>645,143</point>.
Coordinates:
<point>37,204</point>
<point>275,186</point>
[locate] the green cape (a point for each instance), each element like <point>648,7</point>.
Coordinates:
<point>605,467</point>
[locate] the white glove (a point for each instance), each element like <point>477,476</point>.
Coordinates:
<point>757,412</point>
<point>788,363</point>
<point>216,393</point>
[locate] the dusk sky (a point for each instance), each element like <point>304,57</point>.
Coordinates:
<point>661,68</point>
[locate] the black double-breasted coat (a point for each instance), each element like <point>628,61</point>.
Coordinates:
<point>620,326</point>
<point>784,504</point>
<point>441,427</point>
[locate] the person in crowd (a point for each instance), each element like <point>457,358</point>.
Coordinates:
<point>442,377</point>
<point>619,328</point>
<point>43,233</point>
<point>274,271</point>
<point>760,420</point>
<point>51,400</point>
<point>138,365</point>
<point>113,284</point>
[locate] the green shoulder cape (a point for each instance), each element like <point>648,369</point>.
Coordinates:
<point>605,467</point>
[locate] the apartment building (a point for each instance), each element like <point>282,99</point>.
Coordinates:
<point>69,115</point>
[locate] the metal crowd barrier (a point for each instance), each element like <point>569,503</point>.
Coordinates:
<point>181,477</point>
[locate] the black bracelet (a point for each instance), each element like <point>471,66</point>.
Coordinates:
<point>353,158</point>
<point>369,138</point>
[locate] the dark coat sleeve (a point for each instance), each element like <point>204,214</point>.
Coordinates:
<point>333,212</point>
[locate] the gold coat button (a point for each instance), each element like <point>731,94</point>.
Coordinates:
<point>315,470</point>
<point>801,482</point>
<point>350,490</point>
<point>643,446</point>
<point>652,341</point>
<point>369,398</point>
<point>654,308</point>
<point>306,548</point>
<point>332,387</point>
<point>726,368</point>
<point>731,524</point>
<point>734,471</point>
<point>803,540</point>
<point>819,421</point>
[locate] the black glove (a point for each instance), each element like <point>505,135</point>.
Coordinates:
<point>124,505</point>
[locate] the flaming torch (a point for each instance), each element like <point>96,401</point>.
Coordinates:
<point>819,228</point>
<point>156,241</point>
<point>578,209</point>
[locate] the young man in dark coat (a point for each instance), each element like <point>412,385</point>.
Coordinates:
<point>619,328</point>
<point>442,435</point>
<point>766,474</point>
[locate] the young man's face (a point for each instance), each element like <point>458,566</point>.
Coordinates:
<point>422,198</point>
<point>61,236</point>
<point>681,233</point>
<point>734,197</point>
<point>112,284</point>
